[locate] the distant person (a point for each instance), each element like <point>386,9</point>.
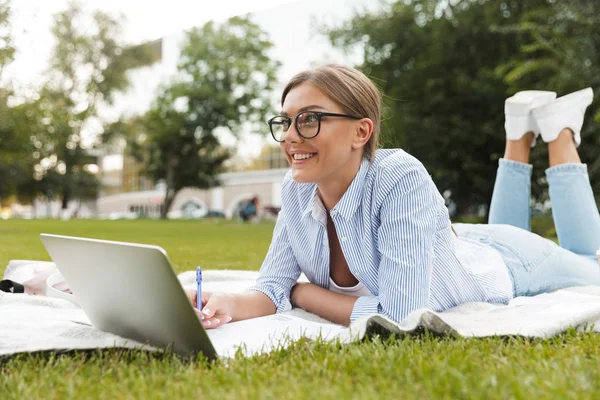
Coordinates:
<point>370,230</point>
<point>249,209</point>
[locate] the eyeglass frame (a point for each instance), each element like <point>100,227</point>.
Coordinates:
<point>319,115</point>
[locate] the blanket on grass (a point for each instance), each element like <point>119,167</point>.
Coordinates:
<point>37,323</point>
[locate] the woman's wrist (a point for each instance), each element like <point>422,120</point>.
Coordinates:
<point>231,302</point>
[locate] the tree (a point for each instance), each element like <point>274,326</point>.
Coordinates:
<point>7,49</point>
<point>13,150</point>
<point>12,146</point>
<point>225,80</point>
<point>18,153</point>
<point>442,66</point>
<point>88,65</point>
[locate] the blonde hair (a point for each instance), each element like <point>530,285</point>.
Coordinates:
<point>351,89</point>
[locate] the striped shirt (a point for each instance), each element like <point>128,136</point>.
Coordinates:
<point>395,234</point>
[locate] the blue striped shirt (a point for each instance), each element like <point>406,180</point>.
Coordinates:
<point>395,234</point>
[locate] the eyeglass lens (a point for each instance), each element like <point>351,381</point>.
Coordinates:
<point>306,122</point>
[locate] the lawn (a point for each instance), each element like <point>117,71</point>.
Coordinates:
<point>423,367</point>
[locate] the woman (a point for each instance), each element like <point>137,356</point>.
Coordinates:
<point>370,230</point>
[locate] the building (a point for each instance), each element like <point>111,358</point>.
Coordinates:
<point>236,188</point>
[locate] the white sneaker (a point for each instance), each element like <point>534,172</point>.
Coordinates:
<point>517,111</point>
<point>564,112</point>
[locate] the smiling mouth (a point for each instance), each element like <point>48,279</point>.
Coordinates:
<point>305,156</point>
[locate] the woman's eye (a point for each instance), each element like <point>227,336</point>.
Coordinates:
<point>308,119</point>
<point>284,124</point>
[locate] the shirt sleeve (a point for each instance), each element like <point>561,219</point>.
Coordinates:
<point>280,270</point>
<point>405,242</point>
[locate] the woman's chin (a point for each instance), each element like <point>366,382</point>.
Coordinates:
<point>302,176</point>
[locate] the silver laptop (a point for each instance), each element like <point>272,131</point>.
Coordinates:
<point>130,290</point>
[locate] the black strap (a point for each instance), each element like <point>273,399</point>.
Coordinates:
<point>11,287</point>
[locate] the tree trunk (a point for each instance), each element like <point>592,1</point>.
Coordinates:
<point>169,197</point>
<point>66,197</point>
<point>170,182</point>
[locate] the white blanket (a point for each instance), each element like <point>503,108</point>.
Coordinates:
<point>35,323</point>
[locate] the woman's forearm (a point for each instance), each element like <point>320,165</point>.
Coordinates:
<point>335,307</point>
<point>332,306</point>
<point>251,304</point>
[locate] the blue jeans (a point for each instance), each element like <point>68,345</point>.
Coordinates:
<point>539,265</point>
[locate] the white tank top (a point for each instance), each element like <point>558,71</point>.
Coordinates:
<point>357,290</point>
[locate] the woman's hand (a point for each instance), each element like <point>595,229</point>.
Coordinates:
<point>220,308</point>
<point>217,308</point>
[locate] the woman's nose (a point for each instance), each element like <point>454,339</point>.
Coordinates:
<point>292,136</point>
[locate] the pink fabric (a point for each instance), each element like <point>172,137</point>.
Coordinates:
<point>33,275</point>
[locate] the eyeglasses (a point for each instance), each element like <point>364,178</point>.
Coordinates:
<point>308,124</point>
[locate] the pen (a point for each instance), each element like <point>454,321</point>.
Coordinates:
<point>199,294</point>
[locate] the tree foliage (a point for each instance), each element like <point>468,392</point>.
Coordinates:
<point>446,68</point>
<point>12,145</point>
<point>225,80</point>
<point>87,67</point>
<point>7,48</point>
<point>560,50</point>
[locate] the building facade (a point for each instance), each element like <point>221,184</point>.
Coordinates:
<point>235,189</point>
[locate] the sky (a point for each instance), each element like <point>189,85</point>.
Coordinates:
<point>146,20</point>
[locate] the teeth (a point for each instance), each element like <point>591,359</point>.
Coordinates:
<point>302,156</point>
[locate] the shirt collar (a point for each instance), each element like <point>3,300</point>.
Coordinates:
<point>347,204</point>
<point>314,205</point>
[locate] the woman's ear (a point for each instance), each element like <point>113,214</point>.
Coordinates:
<point>364,130</point>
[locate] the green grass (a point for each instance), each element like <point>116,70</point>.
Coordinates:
<point>422,367</point>
<point>213,244</point>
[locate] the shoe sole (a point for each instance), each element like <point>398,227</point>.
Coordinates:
<point>582,97</point>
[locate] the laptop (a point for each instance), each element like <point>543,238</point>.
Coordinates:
<point>130,290</point>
